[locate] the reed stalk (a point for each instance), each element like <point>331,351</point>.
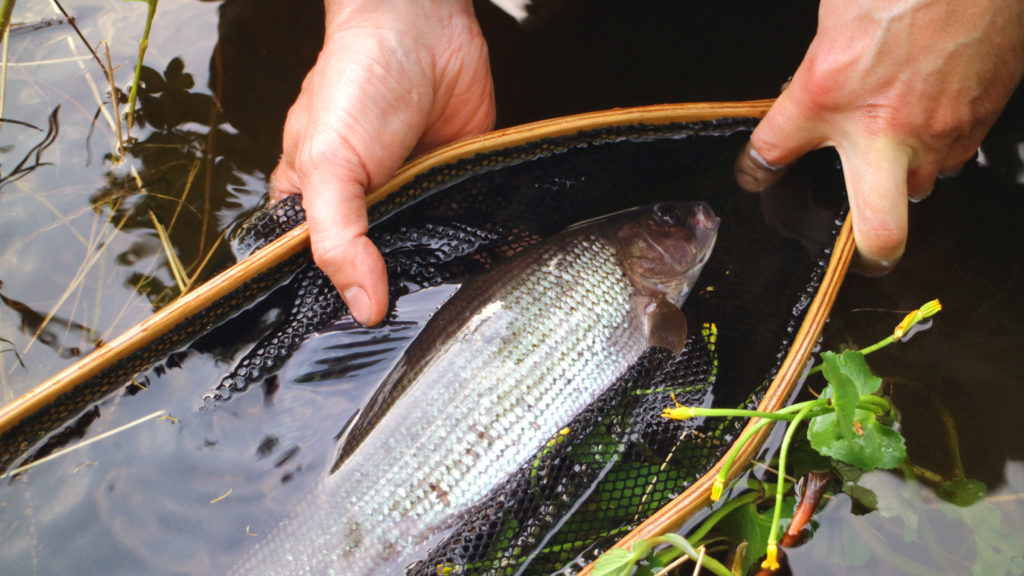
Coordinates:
<point>6,9</point>
<point>143,45</point>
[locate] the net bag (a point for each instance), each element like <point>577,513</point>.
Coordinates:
<point>753,317</point>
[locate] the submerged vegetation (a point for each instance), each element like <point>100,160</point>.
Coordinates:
<point>851,431</point>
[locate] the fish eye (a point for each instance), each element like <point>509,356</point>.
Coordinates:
<point>669,214</point>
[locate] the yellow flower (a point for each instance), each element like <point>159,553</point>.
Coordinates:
<point>927,311</point>
<point>772,561</point>
<point>678,413</point>
<point>717,488</point>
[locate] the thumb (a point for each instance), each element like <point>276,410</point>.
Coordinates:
<point>781,138</point>
<point>876,183</point>
<point>337,219</point>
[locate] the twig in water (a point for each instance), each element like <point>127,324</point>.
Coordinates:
<point>20,123</point>
<point>74,26</point>
<point>177,270</point>
<point>59,453</point>
<point>114,101</point>
<point>12,349</point>
<point>219,498</point>
<point>89,261</point>
<point>35,153</point>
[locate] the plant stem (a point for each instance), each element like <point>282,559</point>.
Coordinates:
<point>719,485</point>
<point>927,310</point>
<point>741,413</point>
<point>6,9</point>
<point>5,36</point>
<point>724,510</point>
<point>706,561</point>
<point>143,45</point>
<point>772,563</point>
<point>684,412</point>
<point>875,404</point>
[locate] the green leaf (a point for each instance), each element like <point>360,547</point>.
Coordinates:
<point>619,562</point>
<point>866,497</point>
<point>614,562</point>
<point>855,366</point>
<point>680,542</point>
<point>878,447</point>
<point>843,391</point>
<point>653,566</point>
<point>851,435</point>
<point>746,524</point>
<point>803,458</point>
<point>962,491</point>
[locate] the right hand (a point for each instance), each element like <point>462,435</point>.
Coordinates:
<point>904,91</point>
<point>395,77</point>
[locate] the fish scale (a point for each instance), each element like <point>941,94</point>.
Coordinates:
<point>529,345</point>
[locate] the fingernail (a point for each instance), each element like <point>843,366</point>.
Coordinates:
<point>764,163</point>
<point>874,268</point>
<point>753,173</point>
<point>358,303</point>
<point>920,197</point>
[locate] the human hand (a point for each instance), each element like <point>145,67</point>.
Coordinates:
<point>904,90</point>
<point>394,77</point>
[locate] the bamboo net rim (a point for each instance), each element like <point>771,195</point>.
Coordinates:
<point>297,239</point>
<point>668,518</point>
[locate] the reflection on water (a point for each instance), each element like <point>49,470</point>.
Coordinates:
<point>79,250</point>
<point>169,495</point>
<point>80,261</point>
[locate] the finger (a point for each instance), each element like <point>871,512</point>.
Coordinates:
<point>753,173</point>
<point>784,135</point>
<point>921,179</point>
<point>284,180</point>
<point>876,180</point>
<point>956,160</point>
<point>338,224</point>
<point>282,183</point>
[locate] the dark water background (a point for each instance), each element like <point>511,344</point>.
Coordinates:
<point>222,76</point>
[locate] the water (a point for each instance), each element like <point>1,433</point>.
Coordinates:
<point>75,218</point>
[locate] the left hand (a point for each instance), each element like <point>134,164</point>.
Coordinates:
<point>394,77</point>
<point>904,90</point>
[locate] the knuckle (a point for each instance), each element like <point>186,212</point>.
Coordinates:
<point>950,125</point>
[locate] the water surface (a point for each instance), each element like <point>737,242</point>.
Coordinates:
<point>80,261</point>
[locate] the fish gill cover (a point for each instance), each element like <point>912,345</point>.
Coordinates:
<point>617,461</point>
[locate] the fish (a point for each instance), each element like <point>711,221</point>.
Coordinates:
<point>500,368</point>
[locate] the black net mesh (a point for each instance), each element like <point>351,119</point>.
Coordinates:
<point>618,461</point>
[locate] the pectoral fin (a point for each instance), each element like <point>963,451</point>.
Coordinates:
<point>666,325</point>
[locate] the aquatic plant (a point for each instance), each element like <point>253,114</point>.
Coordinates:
<point>850,430</point>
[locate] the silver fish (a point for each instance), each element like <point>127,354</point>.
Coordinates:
<point>512,357</point>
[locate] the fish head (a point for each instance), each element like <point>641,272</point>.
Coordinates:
<point>665,246</point>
